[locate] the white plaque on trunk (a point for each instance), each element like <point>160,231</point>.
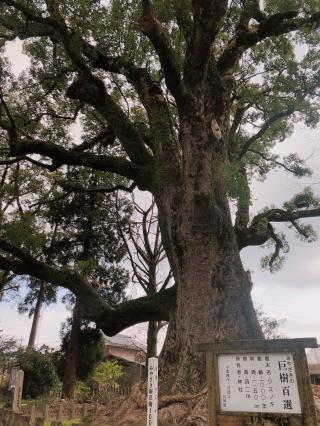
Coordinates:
<point>258,382</point>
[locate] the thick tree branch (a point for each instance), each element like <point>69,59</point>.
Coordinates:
<point>88,88</point>
<point>92,91</point>
<point>148,90</point>
<point>183,18</point>
<point>279,215</point>
<point>110,320</point>
<point>274,25</point>
<point>207,21</point>
<point>75,187</point>
<point>70,157</point>
<point>156,307</point>
<point>160,40</point>
<point>238,116</point>
<point>259,231</point>
<point>60,156</point>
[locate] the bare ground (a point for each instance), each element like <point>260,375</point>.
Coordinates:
<point>179,410</point>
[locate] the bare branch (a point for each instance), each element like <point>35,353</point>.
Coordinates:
<point>264,128</point>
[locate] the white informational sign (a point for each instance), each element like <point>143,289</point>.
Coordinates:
<point>259,383</point>
<point>152,398</point>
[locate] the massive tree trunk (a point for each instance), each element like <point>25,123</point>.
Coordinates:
<point>213,291</point>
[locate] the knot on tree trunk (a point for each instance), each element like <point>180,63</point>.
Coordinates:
<point>147,23</point>
<point>87,89</point>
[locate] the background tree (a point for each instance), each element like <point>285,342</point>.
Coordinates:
<point>40,374</point>
<point>90,350</point>
<point>196,96</point>
<point>88,239</point>
<point>8,351</point>
<point>147,256</point>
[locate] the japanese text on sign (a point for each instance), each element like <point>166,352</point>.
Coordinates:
<point>152,398</point>
<point>258,383</point>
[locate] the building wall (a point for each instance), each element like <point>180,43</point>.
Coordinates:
<point>131,360</point>
<point>128,354</point>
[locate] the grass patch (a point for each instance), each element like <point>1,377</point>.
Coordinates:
<point>37,401</point>
<point>64,422</point>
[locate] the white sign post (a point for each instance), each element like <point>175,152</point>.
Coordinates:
<point>152,397</point>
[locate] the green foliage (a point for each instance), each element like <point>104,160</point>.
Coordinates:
<point>102,381</point>
<point>8,352</point>
<point>40,375</point>
<point>105,377</point>
<point>91,346</point>
<point>270,326</point>
<point>82,391</point>
<point>275,86</point>
<point>305,199</point>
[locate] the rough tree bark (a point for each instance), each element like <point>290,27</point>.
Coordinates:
<point>213,291</point>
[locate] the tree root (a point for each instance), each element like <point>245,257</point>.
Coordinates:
<point>140,398</point>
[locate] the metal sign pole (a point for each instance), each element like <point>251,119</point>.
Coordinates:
<point>152,397</point>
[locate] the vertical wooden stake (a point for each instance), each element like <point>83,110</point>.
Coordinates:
<point>15,399</point>
<point>85,410</point>
<point>211,383</point>
<point>46,412</point>
<point>60,411</point>
<point>73,410</point>
<point>96,408</point>
<point>32,414</point>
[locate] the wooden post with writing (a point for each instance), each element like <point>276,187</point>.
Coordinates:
<point>152,397</point>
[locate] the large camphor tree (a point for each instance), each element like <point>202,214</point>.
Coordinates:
<point>185,99</point>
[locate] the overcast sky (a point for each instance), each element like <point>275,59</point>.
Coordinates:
<point>293,293</point>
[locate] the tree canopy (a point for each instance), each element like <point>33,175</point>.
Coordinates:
<point>184,99</point>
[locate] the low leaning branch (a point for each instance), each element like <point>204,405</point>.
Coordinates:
<point>111,320</point>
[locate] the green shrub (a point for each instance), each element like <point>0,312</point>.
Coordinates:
<point>105,377</point>
<point>83,391</point>
<point>40,375</point>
